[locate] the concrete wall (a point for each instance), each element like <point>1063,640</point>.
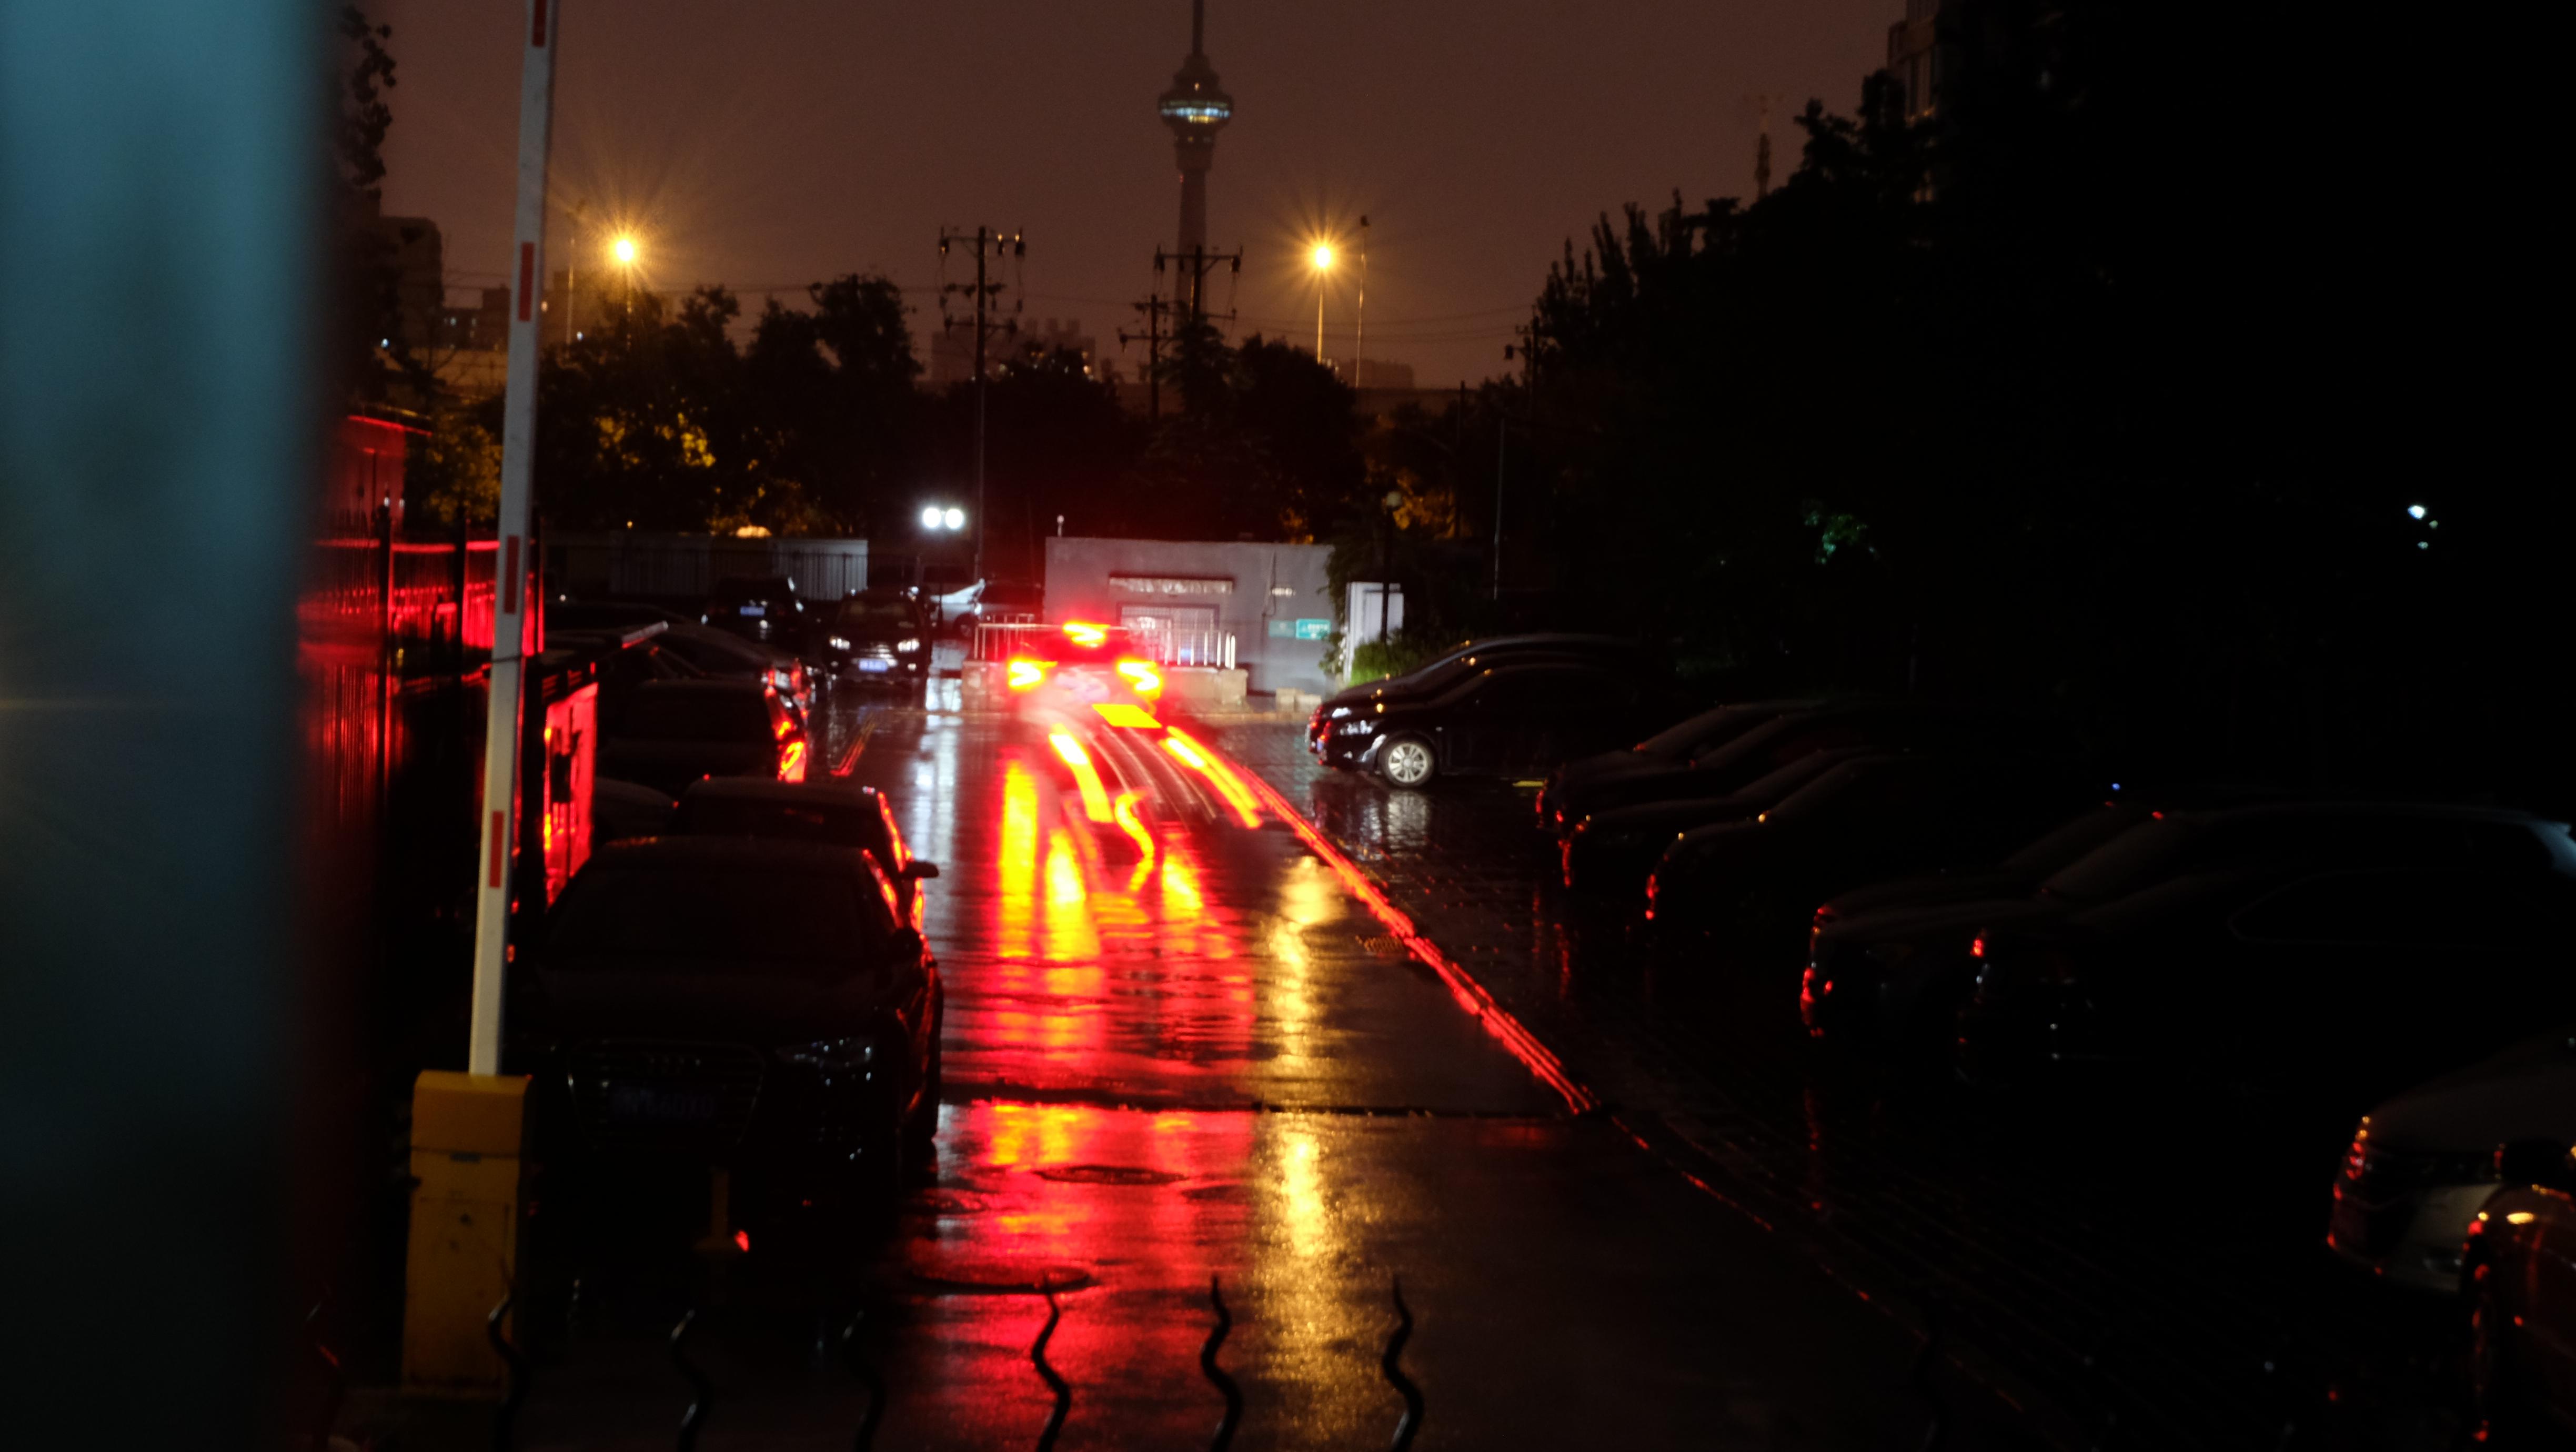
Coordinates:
<point>1266,587</point>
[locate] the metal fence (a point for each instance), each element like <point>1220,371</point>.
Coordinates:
<point>995,641</point>
<point>688,566</point>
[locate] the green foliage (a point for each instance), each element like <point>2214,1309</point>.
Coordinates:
<point>1404,651</point>
<point>456,471</point>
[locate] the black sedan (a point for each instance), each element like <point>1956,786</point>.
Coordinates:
<point>1509,720</point>
<point>667,734</point>
<point>765,608</point>
<point>2360,953</point>
<point>739,1003</point>
<point>1445,672</point>
<point>833,813</point>
<point>1674,746</point>
<point>877,636</point>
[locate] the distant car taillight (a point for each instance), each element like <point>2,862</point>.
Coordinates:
<point>791,759</point>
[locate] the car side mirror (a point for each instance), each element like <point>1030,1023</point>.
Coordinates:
<point>918,868</point>
<point>2541,1162</point>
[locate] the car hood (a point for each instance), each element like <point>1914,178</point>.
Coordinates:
<point>709,1003</point>
<point>2526,1092</point>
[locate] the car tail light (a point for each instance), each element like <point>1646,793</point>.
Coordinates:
<point>1026,675</point>
<point>1086,634</point>
<point>1142,675</point>
<point>791,759</point>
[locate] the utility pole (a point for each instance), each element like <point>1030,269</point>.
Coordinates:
<point>1152,307</point>
<point>1195,264</point>
<point>1359,319</point>
<point>989,242</point>
<point>509,562</point>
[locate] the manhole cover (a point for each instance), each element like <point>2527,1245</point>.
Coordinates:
<point>1105,1175</point>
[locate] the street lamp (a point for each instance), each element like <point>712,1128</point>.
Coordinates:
<point>935,518</point>
<point>623,249</point>
<point>1321,259</point>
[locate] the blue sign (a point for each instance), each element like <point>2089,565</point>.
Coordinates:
<point>1314,629</point>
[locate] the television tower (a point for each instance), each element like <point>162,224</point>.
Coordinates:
<point>1196,110</point>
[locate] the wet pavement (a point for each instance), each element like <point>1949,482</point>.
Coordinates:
<point>2154,1279</point>
<point>1177,1047</point>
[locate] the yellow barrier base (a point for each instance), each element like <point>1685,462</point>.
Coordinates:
<point>468,1135</point>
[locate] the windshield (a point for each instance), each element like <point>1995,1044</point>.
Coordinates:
<point>760,923</point>
<point>886,614</point>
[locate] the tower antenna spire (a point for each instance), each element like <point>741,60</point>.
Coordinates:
<point>1198,27</point>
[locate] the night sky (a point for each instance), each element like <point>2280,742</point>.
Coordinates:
<point>764,144</point>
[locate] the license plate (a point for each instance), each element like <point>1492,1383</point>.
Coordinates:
<point>755,611</point>
<point>645,1104</point>
<point>875,665</point>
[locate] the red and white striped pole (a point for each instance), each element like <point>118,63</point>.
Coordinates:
<point>510,561</point>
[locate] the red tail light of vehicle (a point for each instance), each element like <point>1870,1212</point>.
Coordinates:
<point>1142,675</point>
<point>791,759</point>
<point>1086,634</point>
<point>1028,675</point>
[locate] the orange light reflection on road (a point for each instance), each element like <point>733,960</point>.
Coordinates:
<point>1016,863</point>
<point>1221,776</point>
<point>1124,811</point>
<point>1086,777</point>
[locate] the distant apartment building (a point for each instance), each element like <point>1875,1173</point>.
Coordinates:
<point>416,256</point>
<point>952,350</point>
<point>1914,59</point>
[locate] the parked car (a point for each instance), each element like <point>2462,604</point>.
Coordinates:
<point>1889,964</point>
<point>1863,820</point>
<point>1514,719</point>
<point>738,1002</point>
<point>878,635</point>
<point>667,734</point>
<point>833,813</point>
<point>623,810</point>
<point>1732,764</point>
<point>2320,954</point>
<point>1080,665</point>
<point>1611,854</point>
<point>1446,671</point>
<point>765,608</point>
<point>712,651</point>
<point>2521,1260</point>
<point>2422,1164</point>
<point>1673,746</point>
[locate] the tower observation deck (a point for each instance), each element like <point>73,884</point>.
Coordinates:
<point>1196,109</point>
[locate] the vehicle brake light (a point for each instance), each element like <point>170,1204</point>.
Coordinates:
<point>1027,674</point>
<point>791,760</point>
<point>1142,675</point>
<point>1084,633</point>
<point>1977,949</point>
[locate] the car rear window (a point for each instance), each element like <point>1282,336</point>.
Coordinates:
<point>766,924</point>
<point>675,716</point>
<point>862,611</point>
<point>837,826</point>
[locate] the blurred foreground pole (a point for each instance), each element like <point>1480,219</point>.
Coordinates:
<point>518,445</point>
<point>160,163</point>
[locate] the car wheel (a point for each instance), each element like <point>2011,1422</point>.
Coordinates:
<point>1407,761</point>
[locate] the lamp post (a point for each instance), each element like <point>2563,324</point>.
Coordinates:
<point>1321,259</point>
<point>624,251</point>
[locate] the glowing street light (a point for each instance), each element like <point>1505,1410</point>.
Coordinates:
<point>933,517</point>
<point>1321,259</point>
<point>623,249</point>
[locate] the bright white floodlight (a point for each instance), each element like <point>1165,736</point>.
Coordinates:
<point>954,519</point>
<point>930,517</point>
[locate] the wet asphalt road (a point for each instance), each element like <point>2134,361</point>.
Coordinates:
<point>1196,1055</point>
<point>2149,1275</point>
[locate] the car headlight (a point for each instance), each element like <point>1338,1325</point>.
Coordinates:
<point>839,644</point>
<point>907,645</point>
<point>832,1054</point>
